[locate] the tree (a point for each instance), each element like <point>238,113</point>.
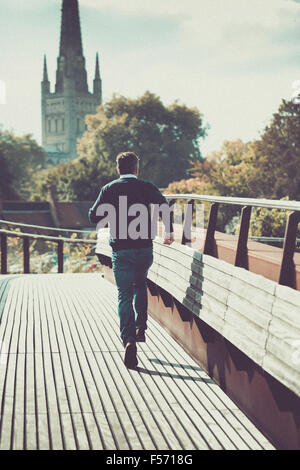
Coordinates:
<point>268,167</point>
<point>21,158</point>
<point>278,154</point>
<point>166,138</point>
<point>265,168</point>
<point>229,170</point>
<point>268,222</point>
<point>77,180</point>
<point>6,186</point>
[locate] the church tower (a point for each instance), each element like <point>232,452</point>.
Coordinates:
<point>64,110</point>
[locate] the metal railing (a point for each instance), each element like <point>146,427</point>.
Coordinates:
<point>270,240</point>
<point>287,268</point>
<point>60,241</point>
<point>42,227</point>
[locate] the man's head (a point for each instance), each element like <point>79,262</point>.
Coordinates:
<point>127,162</point>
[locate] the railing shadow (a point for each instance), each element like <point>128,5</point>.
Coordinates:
<point>174,376</point>
<point>183,366</point>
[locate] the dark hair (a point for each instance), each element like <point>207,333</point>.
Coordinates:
<point>127,162</point>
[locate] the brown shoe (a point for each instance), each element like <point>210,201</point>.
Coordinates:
<point>130,359</point>
<point>140,336</point>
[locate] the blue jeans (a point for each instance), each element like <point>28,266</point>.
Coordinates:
<point>130,268</point>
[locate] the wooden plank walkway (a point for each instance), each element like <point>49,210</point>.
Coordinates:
<point>63,384</point>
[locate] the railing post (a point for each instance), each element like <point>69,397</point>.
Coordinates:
<point>209,244</point>
<point>3,253</point>
<point>287,269</point>
<point>241,257</point>
<point>188,221</point>
<point>26,256</point>
<point>60,256</point>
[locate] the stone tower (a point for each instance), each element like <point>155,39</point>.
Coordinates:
<point>64,110</point>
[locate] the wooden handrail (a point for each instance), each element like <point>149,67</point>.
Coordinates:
<point>287,269</point>
<point>240,201</point>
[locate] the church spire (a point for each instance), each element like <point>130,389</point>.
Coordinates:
<point>45,75</point>
<point>71,62</point>
<point>45,82</point>
<point>70,38</point>
<point>97,80</point>
<point>97,71</point>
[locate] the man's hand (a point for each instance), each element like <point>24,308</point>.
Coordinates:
<point>168,238</point>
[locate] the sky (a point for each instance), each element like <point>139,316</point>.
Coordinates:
<point>234,60</point>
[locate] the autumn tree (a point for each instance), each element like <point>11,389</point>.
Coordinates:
<point>265,168</point>
<point>229,171</point>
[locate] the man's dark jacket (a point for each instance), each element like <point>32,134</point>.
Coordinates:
<point>137,192</point>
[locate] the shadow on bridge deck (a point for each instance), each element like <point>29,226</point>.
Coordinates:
<point>63,384</point>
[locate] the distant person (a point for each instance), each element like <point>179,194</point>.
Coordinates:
<point>131,239</point>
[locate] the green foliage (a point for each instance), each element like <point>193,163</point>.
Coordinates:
<point>266,168</point>
<point>77,180</point>
<point>166,138</point>
<point>223,173</point>
<point>192,186</point>
<point>20,158</point>
<point>277,170</point>
<point>230,170</point>
<point>268,223</point>
<point>6,180</point>
<point>264,223</point>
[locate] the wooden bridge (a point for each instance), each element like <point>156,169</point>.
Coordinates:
<point>63,384</point>
<point>220,369</point>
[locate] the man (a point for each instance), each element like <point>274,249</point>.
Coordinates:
<point>132,253</point>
